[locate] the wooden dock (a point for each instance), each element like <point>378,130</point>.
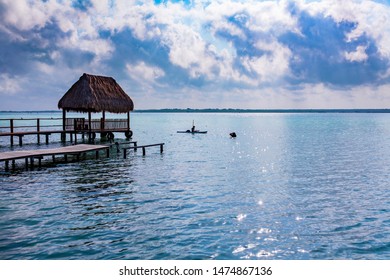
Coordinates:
<point>75,150</point>
<point>143,147</point>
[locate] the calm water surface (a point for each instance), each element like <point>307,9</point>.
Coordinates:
<point>290,186</point>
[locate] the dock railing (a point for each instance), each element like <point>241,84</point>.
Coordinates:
<point>38,126</point>
<point>71,124</point>
<point>82,124</point>
<point>47,126</point>
<point>29,124</point>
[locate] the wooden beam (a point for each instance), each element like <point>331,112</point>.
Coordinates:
<point>11,124</point>
<point>103,122</point>
<point>20,139</point>
<point>89,127</point>
<point>38,129</point>
<point>63,134</point>
<point>128,120</point>
<point>143,148</point>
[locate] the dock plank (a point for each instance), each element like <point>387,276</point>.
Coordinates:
<point>6,156</point>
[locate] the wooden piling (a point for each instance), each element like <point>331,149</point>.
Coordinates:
<point>63,134</point>
<point>11,125</point>
<point>38,130</point>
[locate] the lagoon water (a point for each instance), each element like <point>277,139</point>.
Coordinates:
<point>290,186</point>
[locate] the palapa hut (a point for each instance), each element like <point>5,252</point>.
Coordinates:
<point>92,94</point>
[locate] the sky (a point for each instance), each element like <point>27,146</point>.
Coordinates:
<point>283,54</point>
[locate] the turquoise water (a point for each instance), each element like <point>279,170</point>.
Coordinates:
<point>290,186</point>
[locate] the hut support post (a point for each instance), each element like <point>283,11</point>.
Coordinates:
<point>128,121</point>
<point>63,134</point>
<point>11,126</point>
<point>103,122</point>
<point>38,129</point>
<point>89,127</point>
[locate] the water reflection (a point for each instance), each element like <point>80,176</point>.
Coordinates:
<point>287,187</point>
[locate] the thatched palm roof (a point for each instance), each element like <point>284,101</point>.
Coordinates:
<point>95,94</point>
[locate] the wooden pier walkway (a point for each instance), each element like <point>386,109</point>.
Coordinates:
<point>135,147</point>
<point>75,150</point>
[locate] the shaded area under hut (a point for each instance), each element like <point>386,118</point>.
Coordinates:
<point>94,94</point>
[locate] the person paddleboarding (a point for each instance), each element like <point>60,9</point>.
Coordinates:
<point>193,127</point>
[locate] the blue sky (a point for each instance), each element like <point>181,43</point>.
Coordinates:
<point>199,54</point>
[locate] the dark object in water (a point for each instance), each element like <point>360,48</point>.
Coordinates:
<point>233,135</point>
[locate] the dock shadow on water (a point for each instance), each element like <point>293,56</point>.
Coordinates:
<point>289,186</point>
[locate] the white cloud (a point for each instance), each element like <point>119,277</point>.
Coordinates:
<point>372,19</point>
<point>25,15</point>
<point>182,33</point>
<point>99,47</point>
<point>310,96</point>
<point>213,40</point>
<point>81,26</point>
<point>275,63</point>
<point>357,56</point>
<point>144,73</point>
<point>188,43</point>
<point>322,96</point>
<point>188,50</point>
<point>10,85</point>
<point>271,16</point>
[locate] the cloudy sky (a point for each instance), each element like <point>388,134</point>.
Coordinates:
<point>200,53</point>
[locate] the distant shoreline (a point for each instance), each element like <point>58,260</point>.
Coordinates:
<point>189,110</point>
<point>265,111</point>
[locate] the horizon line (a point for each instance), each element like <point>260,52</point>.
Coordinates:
<point>233,110</point>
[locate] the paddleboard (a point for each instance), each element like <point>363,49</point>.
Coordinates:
<point>193,132</point>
